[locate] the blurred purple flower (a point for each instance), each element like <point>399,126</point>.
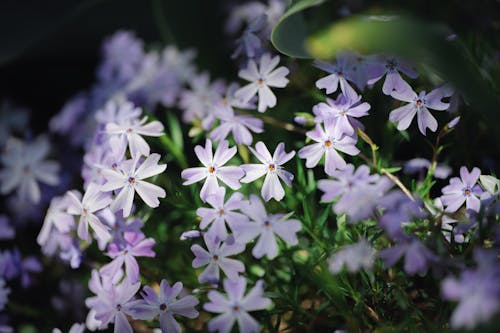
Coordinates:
<point>261,78</point>
<point>236,305</point>
<point>221,213</point>
<point>75,328</point>
<point>6,230</point>
<point>12,119</point>
<point>217,258</point>
<point>418,164</point>
<point>339,75</point>
<point>354,257</point>
<point>199,100</point>
<point>124,254</point>
<point>24,166</point>
<point>328,141</point>
<point>463,189</point>
<point>129,178</point>
<point>213,169</point>
<point>266,228</point>
<point>4,294</point>
<point>417,256</point>
<point>271,167</point>
<point>166,305</point>
<point>240,126</point>
<point>476,290</point>
<point>249,44</point>
<point>56,217</point>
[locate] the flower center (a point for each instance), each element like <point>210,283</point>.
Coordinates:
<point>419,102</point>
<point>26,170</point>
<point>221,212</point>
<point>328,143</point>
<point>236,308</point>
<point>340,74</point>
<point>85,212</point>
<point>211,169</point>
<point>129,130</point>
<point>260,82</point>
<point>118,307</point>
<point>163,307</point>
<point>272,167</point>
<point>342,112</point>
<point>225,101</point>
<point>467,192</point>
<point>267,224</point>
<point>114,166</point>
<point>391,65</point>
<point>215,257</point>
<point>131,180</point>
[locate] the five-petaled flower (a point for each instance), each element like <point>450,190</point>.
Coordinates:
<point>271,167</point>
<point>463,189</point>
<point>261,79</point>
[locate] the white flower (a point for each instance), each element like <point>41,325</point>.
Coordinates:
<point>130,179</point>
<point>93,200</point>
<point>261,79</point>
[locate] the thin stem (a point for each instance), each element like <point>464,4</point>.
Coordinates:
<point>161,22</point>
<point>282,124</point>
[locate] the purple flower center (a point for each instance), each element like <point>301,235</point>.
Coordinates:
<point>419,102</point>
<point>221,212</point>
<point>260,82</point>
<point>215,257</point>
<point>211,169</point>
<point>267,224</point>
<point>340,74</point>
<point>118,307</point>
<point>114,166</point>
<point>272,167</point>
<point>163,307</point>
<point>467,192</point>
<point>85,211</point>
<point>129,130</point>
<point>236,308</point>
<point>391,65</point>
<point>26,170</point>
<point>328,143</point>
<point>131,180</point>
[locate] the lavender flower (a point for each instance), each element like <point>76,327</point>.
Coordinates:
<point>379,66</point>
<point>113,304</point>
<point>419,105</point>
<point>25,166</point>
<point>261,79</point>
<point>93,200</point>
<point>417,164</point>
<point>221,213</point>
<point>236,306</point>
<point>271,167</point>
<point>463,189</point>
<point>166,304</point>
<point>339,76</point>
<point>266,228</point>
<point>198,101</point>
<point>342,112</point>
<point>130,130</point>
<point>328,142</point>
<point>217,258</point>
<point>355,257</point>
<point>213,169</point>
<point>136,246</point>
<point>476,290</point>
<point>239,125</point>
<point>56,217</point>
<point>417,256</point>
<point>249,43</point>
<point>130,179</point>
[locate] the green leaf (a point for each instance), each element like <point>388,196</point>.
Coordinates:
<point>490,183</point>
<point>289,33</point>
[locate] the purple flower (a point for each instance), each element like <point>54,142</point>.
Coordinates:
<point>122,56</point>
<point>12,119</point>
<point>271,167</point>
<point>213,169</point>
<point>357,256</point>
<point>198,101</point>
<point>328,141</point>
<point>136,246</point>
<point>114,303</point>
<point>379,66</point>
<point>191,234</point>
<point>342,112</point>
<point>68,119</point>
<point>4,294</point>
<point>100,157</point>
<point>131,130</point>
<point>240,126</point>
<point>261,79</point>
<point>130,179</point>
<point>339,75</point>
<point>419,105</point>
<point>221,213</point>
<point>93,200</point>
<point>166,304</point>
<point>266,228</point>
<point>476,290</point>
<point>6,230</point>
<point>345,181</point>
<point>418,164</point>
<point>463,189</point>
<point>25,166</point>
<point>235,306</point>
<point>417,256</point>
<point>249,43</point>
<point>217,258</point>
